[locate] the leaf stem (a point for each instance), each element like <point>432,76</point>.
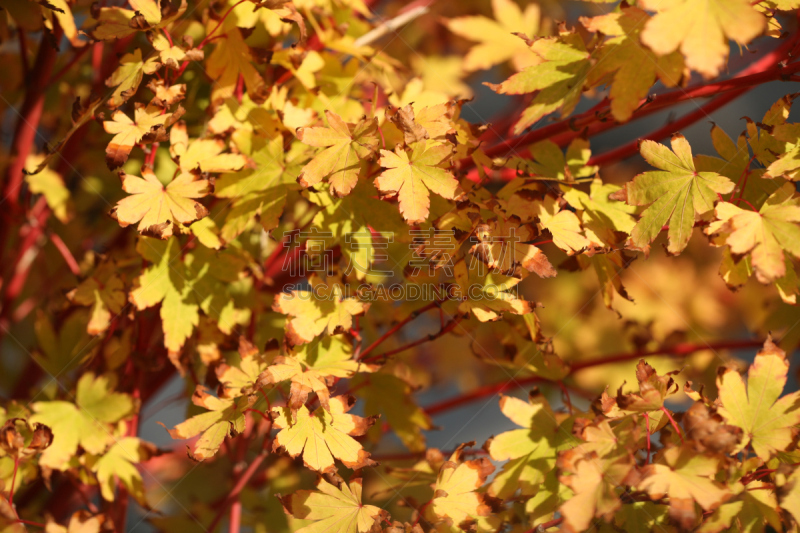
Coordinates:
<point>672,421</point>
<point>219,24</point>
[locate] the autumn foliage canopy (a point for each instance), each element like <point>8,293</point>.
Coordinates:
<point>378,266</point>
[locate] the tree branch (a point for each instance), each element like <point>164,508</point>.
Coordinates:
<point>394,329</point>
<point>678,350</point>
<point>433,336</point>
<point>596,119</point>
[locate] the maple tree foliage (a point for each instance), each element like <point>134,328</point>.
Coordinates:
<point>254,252</point>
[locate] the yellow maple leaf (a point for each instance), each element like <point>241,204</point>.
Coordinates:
<point>455,499</point>
<point>765,234</point>
<point>701,29</point>
<point>324,308</point>
<point>333,509</point>
<point>557,79</point>
<point>676,193</point>
<point>634,67</point>
<point>593,481</point>
<point>204,155</point>
<point>155,207</point>
<point>312,369</point>
<point>487,296</point>
<point>496,37</point>
<point>105,292</point>
<point>224,417</point>
<point>766,418</point>
<point>230,59</point>
<point>322,436</point>
<point>685,477</point>
<point>412,175</point>
<point>502,246</point>
<point>144,15</point>
<point>346,147</point>
<point>149,124</point>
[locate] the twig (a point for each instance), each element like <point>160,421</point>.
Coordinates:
<point>65,253</point>
<point>561,132</point>
<point>390,25</point>
<point>394,329</point>
<point>219,24</point>
<point>678,350</point>
<point>433,336</point>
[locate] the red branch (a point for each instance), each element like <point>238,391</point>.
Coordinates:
<point>678,350</point>
<point>596,120</point>
<point>394,329</point>
<point>547,525</point>
<point>32,107</point>
<point>65,253</point>
<point>433,336</point>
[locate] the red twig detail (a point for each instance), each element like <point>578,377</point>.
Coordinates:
<point>672,421</point>
<point>596,119</point>
<point>219,24</point>
<point>678,350</point>
<point>65,253</point>
<point>433,336</point>
<point>394,329</point>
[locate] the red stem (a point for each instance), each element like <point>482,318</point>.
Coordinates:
<point>679,350</point>
<point>595,119</point>
<point>672,421</point>
<point>241,483</point>
<point>237,489</point>
<point>447,329</point>
<point>31,114</point>
<point>394,329</point>
<point>219,24</point>
<point>546,525</point>
<point>236,517</point>
<point>632,148</point>
<point>66,254</point>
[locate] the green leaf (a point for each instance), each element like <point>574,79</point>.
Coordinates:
<point>630,67</point>
<point>333,509</point>
<point>86,423</point>
<point>126,79</point>
<point>675,194</point>
<point>259,193</point>
<point>557,80</point>
<point>167,282</point>
<point>225,417</point>
<point>346,147</point>
<point>530,451</point>
<point>766,418</point>
<point>119,463</point>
